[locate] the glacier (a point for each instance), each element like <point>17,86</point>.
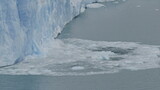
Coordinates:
<point>26,25</point>
<point>28,31</point>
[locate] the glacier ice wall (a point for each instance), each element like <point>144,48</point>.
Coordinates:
<point>25,25</point>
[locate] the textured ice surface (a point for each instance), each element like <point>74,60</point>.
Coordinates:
<point>26,25</point>
<point>84,57</point>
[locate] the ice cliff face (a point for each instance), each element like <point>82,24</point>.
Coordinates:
<point>25,25</point>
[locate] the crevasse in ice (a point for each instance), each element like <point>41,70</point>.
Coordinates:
<point>25,25</point>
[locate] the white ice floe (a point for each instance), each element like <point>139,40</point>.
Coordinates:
<point>95,5</point>
<point>78,68</point>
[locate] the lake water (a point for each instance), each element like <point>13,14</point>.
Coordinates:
<point>130,20</point>
<point>125,80</point>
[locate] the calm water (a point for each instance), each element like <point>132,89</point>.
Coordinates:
<point>126,80</point>
<point>132,20</point>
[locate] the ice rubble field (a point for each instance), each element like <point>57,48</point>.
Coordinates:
<point>27,32</point>
<point>84,57</point>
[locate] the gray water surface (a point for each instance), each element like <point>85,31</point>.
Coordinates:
<point>125,80</point>
<point>130,20</point>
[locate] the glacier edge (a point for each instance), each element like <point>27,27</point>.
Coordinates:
<point>26,25</point>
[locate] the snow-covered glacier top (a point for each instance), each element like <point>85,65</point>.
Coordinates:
<point>26,25</point>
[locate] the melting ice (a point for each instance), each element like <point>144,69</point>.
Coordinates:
<point>85,57</point>
<point>27,32</point>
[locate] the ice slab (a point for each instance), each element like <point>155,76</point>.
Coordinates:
<point>95,5</point>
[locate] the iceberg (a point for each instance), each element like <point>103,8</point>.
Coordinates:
<point>26,25</point>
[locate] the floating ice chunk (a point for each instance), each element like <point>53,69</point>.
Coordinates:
<point>95,5</point>
<point>82,9</point>
<point>77,68</point>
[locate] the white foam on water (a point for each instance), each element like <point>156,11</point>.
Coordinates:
<point>86,57</point>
